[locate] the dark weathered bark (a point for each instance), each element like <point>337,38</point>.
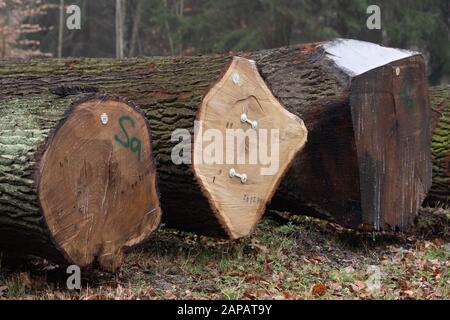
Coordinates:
<point>42,209</point>
<point>329,179</point>
<point>367,160</point>
<point>440,106</point>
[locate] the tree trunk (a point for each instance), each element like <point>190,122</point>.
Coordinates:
<point>69,175</point>
<point>119,29</point>
<point>204,199</point>
<point>367,163</point>
<point>61,29</point>
<point>136,25</point>
<point>440,106</point>
<point>363,164</point>
<point>169,33</point>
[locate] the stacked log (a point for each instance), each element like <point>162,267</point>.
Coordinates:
<point>77,183</point>
<point>174,93</point>
<point>367,162</point>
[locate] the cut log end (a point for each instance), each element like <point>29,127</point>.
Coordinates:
<point>391,117</point>
<point>260,140</point>
<point>97,181</point>
<point>367,163</point>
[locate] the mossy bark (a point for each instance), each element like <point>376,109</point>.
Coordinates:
<point>25,124</point>
<point>170,90</point>
<point>440,104</point>
<point>60,172</point>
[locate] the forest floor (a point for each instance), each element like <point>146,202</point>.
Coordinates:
<point>301,259</point>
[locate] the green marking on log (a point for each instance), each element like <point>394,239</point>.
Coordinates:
<point>405,97</point>
<point>134,144</point>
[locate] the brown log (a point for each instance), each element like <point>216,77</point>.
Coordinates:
<point>339,175</point>
<point>367,162</point>
<point>77,185</point>
<point>174,92</point>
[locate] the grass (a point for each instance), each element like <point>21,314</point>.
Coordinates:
<point>303,259</point>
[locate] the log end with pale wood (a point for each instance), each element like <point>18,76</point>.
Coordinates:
<point>240,125</point>
<point>77,186</point>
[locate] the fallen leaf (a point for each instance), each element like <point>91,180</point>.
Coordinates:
<point>278,277</point>
<point>349,269</point>
<point>25,279</point>
<point>438,242</point>
<point>409,293</point>
<point>169,295</point>
<point>429,244</point>
<point>409,271</point>
<point>260,247</point>
<point>188,294</point>
<point>317,259</point>
<point>360,284</point>
<point>434,262</point>
<point>262,294</point>
<point>437,274</point>
<point>288,296</point>
<point>335,286</point>
<point>249,295</point>
<point>268,264</point>
<point>319,290</point>
<point>2,290</point>
<point>404,285</point>
<point>281,255</point>
<point>250,277</point>
<point>150,293</point>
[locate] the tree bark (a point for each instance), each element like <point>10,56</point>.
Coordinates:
<point>367,161</point>
<point>338,176</point>
<point>440,106</point>
<point>65,183</point>
<point>170,91</point>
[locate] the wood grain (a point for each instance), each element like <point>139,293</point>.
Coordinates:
<point>93,186</point>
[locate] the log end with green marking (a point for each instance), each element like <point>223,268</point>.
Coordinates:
<point>79,185</point>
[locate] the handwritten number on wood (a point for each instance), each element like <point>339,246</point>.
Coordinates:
<point>134,144</point>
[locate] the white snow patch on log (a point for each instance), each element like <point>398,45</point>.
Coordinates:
<point>356,57</point>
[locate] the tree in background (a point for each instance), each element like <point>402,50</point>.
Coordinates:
<point>119,24</point>
<point>61,29</point>
<point>423,25</point>
<point>188,27</point>
<point>15,28</point>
